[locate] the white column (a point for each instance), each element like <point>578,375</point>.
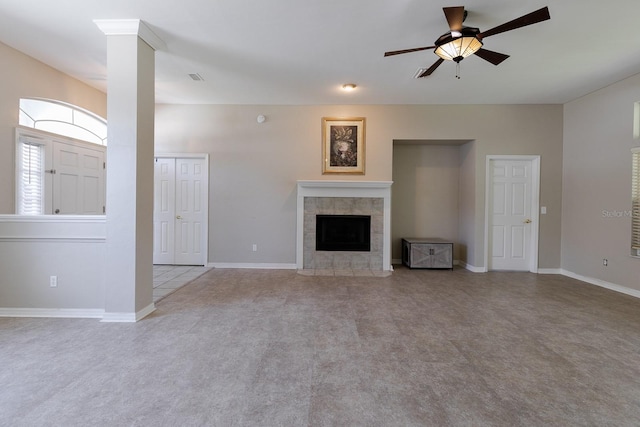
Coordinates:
<point>130,117</point>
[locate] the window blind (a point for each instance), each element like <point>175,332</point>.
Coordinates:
<point>635,204</point>
<point>30,178</point>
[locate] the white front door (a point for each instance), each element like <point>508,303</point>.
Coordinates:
<point>78,182</point>
<point>180,211</point>
<point>510,214</point>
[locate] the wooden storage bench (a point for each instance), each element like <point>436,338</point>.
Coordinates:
<point>427,253</point>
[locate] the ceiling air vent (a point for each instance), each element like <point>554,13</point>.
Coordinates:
<point>419,73</point>
<point>196,77</point>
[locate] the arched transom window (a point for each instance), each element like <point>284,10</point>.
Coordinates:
<point>63,119</point>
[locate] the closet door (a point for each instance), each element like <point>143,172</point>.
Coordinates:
<point>180,211</point>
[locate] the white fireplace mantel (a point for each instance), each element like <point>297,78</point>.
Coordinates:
<point>326,188</point>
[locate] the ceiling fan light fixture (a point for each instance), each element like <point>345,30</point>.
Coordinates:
<point>454,48</point>
<point>459,48</point>
<point>463,41</point>
<point>349,87</point>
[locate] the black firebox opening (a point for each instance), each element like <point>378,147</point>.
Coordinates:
<point>343,233</point>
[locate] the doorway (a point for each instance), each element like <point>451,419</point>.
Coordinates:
<point>180,212</point>
<point>511,213</point>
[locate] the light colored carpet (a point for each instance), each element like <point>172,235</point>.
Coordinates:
<point>278,348</point>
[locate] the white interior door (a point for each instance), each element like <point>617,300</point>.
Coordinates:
<point>180,211</point>
<point>78,180</point>
<point>510,215</point>
<point>164,211</point>
<point>190,218</point>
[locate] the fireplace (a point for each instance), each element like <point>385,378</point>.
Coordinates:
<point>344,198</point>
<point>343,233</point>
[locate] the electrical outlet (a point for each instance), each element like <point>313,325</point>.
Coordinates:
<point>255,247</point>
<point>605,262</point>
<point>53,281</point>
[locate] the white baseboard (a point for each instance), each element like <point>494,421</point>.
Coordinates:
<point>549,271</point>
<point>74,313</point>
<point>264,266</point>
<point>472,268</point>
<point>258,265</point>
<point>602,284</point>
<point>399,261</point>
<point>128,317</point>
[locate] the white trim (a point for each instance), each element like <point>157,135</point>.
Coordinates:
<point>47,239</point>
<point>349,185</point>
<point>53,228</point>
<point>265,266</point>
<point>79,313</point>
<point>119,318</point>
<point>128,317</point>
<point>326,188</point>
<point>549,271</point>
<point>182,155</point>
<point>473,268</point>
<point>47,219</point>
<point>535,205</point>
<point>130,27</point>
<point>602,284</point>
<point>636,120</point>
<point>145,312</point>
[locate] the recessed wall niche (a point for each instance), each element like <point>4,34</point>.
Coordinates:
<point>426,191</point>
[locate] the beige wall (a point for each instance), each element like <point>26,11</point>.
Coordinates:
<point>254,167</point>
<point>584,148</point>
<point>598,137</point>
<point>23,77</point>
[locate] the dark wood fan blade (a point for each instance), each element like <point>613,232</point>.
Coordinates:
<point>415,49</point>
<point>431,69</point>
<point>494,57</point>
<point>523,21</point>
<point>455,16</point>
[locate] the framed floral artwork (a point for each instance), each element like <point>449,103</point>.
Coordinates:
<point>343,145</point>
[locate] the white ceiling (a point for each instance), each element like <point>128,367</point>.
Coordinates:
<point>302,51</point>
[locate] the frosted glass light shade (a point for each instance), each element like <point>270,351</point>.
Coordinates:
<point>458,48</point>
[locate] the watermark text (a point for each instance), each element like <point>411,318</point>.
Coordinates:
<point>616,214</point>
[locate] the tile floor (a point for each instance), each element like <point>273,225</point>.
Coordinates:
<point>344,272</point>
<point>169,278</point>
<point>241,347</point>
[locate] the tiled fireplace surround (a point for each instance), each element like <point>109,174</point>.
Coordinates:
<point>344,198</point>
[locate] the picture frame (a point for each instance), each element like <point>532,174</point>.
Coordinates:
<point>343,145</point>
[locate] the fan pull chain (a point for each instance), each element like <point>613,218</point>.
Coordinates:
<point>458,70</point>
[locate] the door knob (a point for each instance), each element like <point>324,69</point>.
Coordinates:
<point>57,211</point>
<point>527,221</point>
<point>178,217</point>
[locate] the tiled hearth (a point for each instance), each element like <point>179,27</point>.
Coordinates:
<point>344,198</point>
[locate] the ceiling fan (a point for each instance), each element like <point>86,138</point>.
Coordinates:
<point>465,41</point>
